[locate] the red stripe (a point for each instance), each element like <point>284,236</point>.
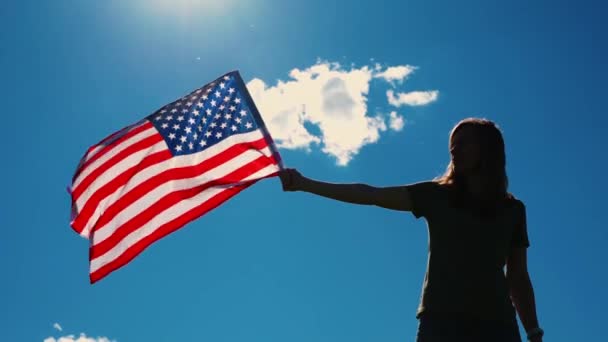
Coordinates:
<point>174,174</point>
<point>91,204</point>
<point>136,147</point>
<point>170,200</point>
<point>166,229</point>
<point>110,147</point>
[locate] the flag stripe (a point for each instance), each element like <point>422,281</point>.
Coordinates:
<point>93,204</point>
<point>162,225</point>
<point>182,202</point>
<point>109,151</point>
<point>130,155</point>
<point>130,223</point>
<point>135,249</point>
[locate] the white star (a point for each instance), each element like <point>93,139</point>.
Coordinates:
<point>222,107</point>
<point>208,111</point>
<point>203,143</point>
<point>195,136</point>
<point>176,127</point>
<point>191,121</point>
<point>173,110</point>
<point>227,78</point>
<point>208,90</point>
<point>199,105</point>
<point>243,112</point>
<point>233,128</point>
<point>196,112</point>
<point>171,136</point>
<point>164,125</point>
<point>189,103</point>
<point>232,108</point>
<point>163,111</point>
<point>204,97</point>
<point>158,117</point>
<point>237,100</point>
<point>188,129</point>
<point>185,110</point>
<point>178,148</point>
<point>180,118</point>
<point>231,90</point>
<point>200,128</point>
<point>169,117</point>
<point>248,125</point>
<point>204,120</point>
<point>227,98</point>
<point>178,104</point>
<point>238,120</point>
<point>213,125</point>
<point>207,134</point>
<point>227,116</point>
<point>218,115</point>
<point>223,125</point>
<point>218,135</point>
<point>198,91</point>
<point>182,138</point>
<point>222,85</point>
<point>218,94</point>
<point>191,145</point>
<point>213,103</point>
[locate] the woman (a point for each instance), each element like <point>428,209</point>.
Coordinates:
<point>476,227</point>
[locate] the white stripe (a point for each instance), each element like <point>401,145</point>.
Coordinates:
<point>175,162</point>
<point>166,216</point>
<point>117,149</point>
<point>92,153</point>
<point>162,190</point>
<point>270,169</point>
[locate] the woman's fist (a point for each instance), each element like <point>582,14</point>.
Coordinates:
<point>291,179</point>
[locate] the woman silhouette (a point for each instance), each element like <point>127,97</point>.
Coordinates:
<point>476,227</point>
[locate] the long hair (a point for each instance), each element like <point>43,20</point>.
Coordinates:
<point>491,168</point>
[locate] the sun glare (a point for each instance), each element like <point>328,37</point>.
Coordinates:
<point>189,7</point>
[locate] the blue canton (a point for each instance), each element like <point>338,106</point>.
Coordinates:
<point>205,117</point>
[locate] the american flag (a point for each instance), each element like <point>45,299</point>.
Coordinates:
<point>153,177</point>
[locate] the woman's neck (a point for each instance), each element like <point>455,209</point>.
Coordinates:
<point>475,185</point>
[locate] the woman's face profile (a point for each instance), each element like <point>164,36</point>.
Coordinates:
<point>465,149</point>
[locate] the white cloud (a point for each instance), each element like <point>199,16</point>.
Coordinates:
<point>396,121</point>
<point>81,338</point>
<point>57,326</point>
<point>324,105</point>
<point>413,98</point>
<point>396,73</point>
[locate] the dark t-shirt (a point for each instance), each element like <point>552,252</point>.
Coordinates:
<point>467,254</point>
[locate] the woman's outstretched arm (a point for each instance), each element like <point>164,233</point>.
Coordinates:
<point>395,197</point>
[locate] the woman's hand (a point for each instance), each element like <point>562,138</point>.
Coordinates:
<point>291,179</point>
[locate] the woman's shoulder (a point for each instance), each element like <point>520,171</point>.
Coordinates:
<point>514,200</point>
<point>516,204</point>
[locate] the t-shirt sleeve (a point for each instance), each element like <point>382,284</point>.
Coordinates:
<point>423,196</point>
<point>520,233</point>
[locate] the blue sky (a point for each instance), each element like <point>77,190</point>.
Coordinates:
<point>274,266</point>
